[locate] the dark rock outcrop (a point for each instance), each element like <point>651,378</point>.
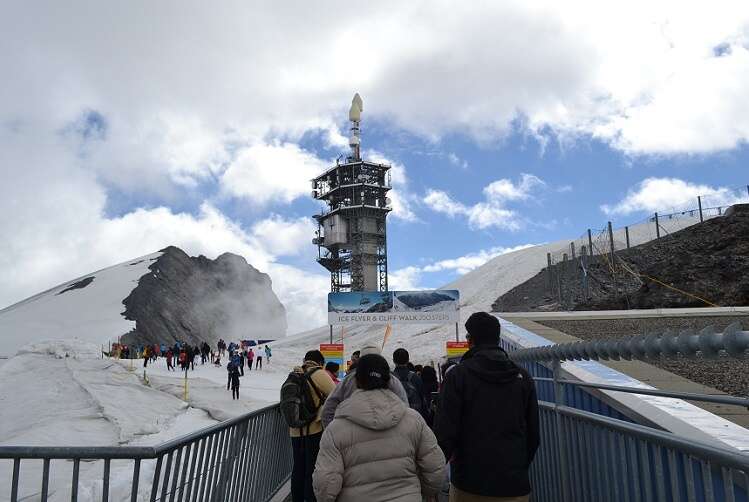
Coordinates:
<point>195,299</point>
<point>704,261</point>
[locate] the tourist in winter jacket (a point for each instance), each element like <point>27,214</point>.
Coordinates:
<point>346,388</point>
<point>169,362</point>
<point>376,447</point>
<point>305,442</point>
<point>487,419</point>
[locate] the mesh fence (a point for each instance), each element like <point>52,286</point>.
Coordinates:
<point>568,277</point>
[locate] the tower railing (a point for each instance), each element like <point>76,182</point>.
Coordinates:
<point>247,458</point>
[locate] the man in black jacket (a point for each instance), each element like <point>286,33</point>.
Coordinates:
<point>487,419</point>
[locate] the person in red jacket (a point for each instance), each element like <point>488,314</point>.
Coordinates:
<point>169,356</point>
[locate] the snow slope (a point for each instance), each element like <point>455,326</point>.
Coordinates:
<point>478,290</point>
<point>88,314</point>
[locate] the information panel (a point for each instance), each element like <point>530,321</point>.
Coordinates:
<point>439,306</point>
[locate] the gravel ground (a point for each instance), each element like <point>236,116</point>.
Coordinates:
<point>726,374</point>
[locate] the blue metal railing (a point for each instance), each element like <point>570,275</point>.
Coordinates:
<point>247,458</point>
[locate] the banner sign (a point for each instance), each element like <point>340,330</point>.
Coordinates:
<point>333,352</point>
<point>439,306</point>
<point>456,349</point>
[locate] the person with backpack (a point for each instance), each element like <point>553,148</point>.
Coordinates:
<point>487,419</point>
<point>347,387</point>
<point>410,380</point>
<point>429,387</point>
<point>268,353</point>
<point>377,448</point>
<point>302,396</point>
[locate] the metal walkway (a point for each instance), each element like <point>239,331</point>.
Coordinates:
<point>592,448</point>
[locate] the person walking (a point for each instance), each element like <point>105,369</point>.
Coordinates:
<point>429,386</point>
<point>146,355</point>
<point>305,441</point>
<point>241,358</point>
<point>487,420</point>
<point>376,447</point>
<point>250,358</point>
<point>230,368</point>
<point>410,380</point>
<point>346,388</point>
<point>169,361</point>
<point>234,379</point>
<point>258,357</point>
<point>267,353</point>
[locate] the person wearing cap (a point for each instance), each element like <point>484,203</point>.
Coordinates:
<point>376,447</point>
<point>348,385</point>
<point>487,420</point>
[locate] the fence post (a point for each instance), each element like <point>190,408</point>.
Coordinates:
<point>657,227</point>
<point>551,275</point>
<point>561,437</point>
<point>611,243</point>
<point>590,243</point>
<point>626,234</point>
<point>572,250</point>
<point>699,204</point>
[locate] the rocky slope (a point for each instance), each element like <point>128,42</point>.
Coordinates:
<point>707,261</point>
<point>195,299</point>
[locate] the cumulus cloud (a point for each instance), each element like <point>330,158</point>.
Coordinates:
<point>277,172</point>
<point>409,278</point>
<point>400,195</point>
<point>672,194</point>
<point>492,212</point>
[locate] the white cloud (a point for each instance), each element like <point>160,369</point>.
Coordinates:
<point>671,195</point>
<point>405,279</point>
<point>283,237</point>
<point>466,263</point>
<point>278,172</point>
<point>493,211</point>
<point>457,161</point>
<point>409,278</point>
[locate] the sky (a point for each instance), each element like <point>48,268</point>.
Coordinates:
<point>126,127</point>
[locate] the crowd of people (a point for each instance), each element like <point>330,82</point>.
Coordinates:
<point>240,355</point>
<point>400,434</point>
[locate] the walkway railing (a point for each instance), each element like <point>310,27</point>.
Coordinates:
<point>586,456</point>
<point>247,458</point>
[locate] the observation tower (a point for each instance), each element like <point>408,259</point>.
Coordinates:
<point>352,235</point>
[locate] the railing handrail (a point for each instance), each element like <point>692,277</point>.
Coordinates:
<point>731,458</point>
<point>122,452</point>
<point>654,346</point>
<point>689,396</point>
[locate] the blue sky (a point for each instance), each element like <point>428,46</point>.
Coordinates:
<point>507,124</point>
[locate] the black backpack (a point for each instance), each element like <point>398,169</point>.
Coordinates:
<point>297,404</point>
<point>415,399</point>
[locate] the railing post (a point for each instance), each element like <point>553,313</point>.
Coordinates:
<point>561,440</point>
<point>699,205</point>
<point>551,275</point>
<point>626,234</point>
<point>590,243</point>
<point>657,227</point>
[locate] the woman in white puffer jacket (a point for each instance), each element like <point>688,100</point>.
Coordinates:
<point>376,448</point>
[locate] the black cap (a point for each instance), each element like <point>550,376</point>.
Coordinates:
<point>483,329</point>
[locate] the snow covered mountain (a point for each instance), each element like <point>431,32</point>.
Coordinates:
<point>158,297</point>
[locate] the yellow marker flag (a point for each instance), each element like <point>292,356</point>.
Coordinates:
<point>388,332</point>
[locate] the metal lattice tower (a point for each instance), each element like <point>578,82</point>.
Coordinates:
<point>352,234</point>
